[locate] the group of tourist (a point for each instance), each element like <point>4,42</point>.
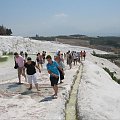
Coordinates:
<point>75,57</point>
<point>54,67</point>
<point>41,59</point>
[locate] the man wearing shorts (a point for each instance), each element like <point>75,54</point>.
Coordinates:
<point>21,69</point>
<point>30,66</point>
<point>52,68</point>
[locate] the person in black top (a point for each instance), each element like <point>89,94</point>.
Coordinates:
<point>31,70</point>
<point>26,55</point>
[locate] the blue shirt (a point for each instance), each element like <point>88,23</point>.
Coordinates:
<point>53,67</point>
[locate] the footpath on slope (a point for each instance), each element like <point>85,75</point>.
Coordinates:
<point>71,106</point>
<point>18,103</point>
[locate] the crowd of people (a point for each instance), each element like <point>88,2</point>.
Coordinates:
<point>75,57</point>
<point>25,65</point>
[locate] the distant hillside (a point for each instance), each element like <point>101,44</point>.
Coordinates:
<point>83,40</point>
<point>53,38</point>
<point>109,41</point>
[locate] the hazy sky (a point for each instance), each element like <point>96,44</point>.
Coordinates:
<point>60,17</point>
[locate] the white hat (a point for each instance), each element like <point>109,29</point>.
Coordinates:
<point>58,50</point>
<point>56,54</point>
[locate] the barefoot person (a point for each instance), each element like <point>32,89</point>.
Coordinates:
<point>39,59</point>
<point>69,59</point>
<point>52,68</point>
<point>81,55</point>
<point>30,66</point>
<point>84,55</point>
<point>75,58</point>
<point>21,69</point>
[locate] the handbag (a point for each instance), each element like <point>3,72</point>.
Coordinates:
<point>16,66</point>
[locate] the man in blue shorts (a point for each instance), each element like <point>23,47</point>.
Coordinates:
<point>52,68</point>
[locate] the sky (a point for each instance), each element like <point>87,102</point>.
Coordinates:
<point>61,17</point>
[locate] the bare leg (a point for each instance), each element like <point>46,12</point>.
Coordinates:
<point>41,66</point>
<point>81,58</point>
<point>36,85</point>
<point>19,74</point>
<point>30,87</point>
<point>55,87</point>
<point>19,77</point>
<point>23,74</point>
<point>74,62</point>
<point>70,65</point>
<point>38,64</point>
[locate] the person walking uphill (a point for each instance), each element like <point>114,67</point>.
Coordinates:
<point>84,55</point>
<point>20,66</point>
<point>61,64</point>
<point>52,68</point>
<point>30,66</point>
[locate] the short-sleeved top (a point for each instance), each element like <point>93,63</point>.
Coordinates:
<point>30,68</point>
<point>61,64</point>
<point>53,67</point>
<point>20,61</point>
<point>74,55</point>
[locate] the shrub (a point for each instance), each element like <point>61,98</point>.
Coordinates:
<point>4,53</point>
<point>94,53</point>
<point>112,75</point>
<point>10,53</point>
